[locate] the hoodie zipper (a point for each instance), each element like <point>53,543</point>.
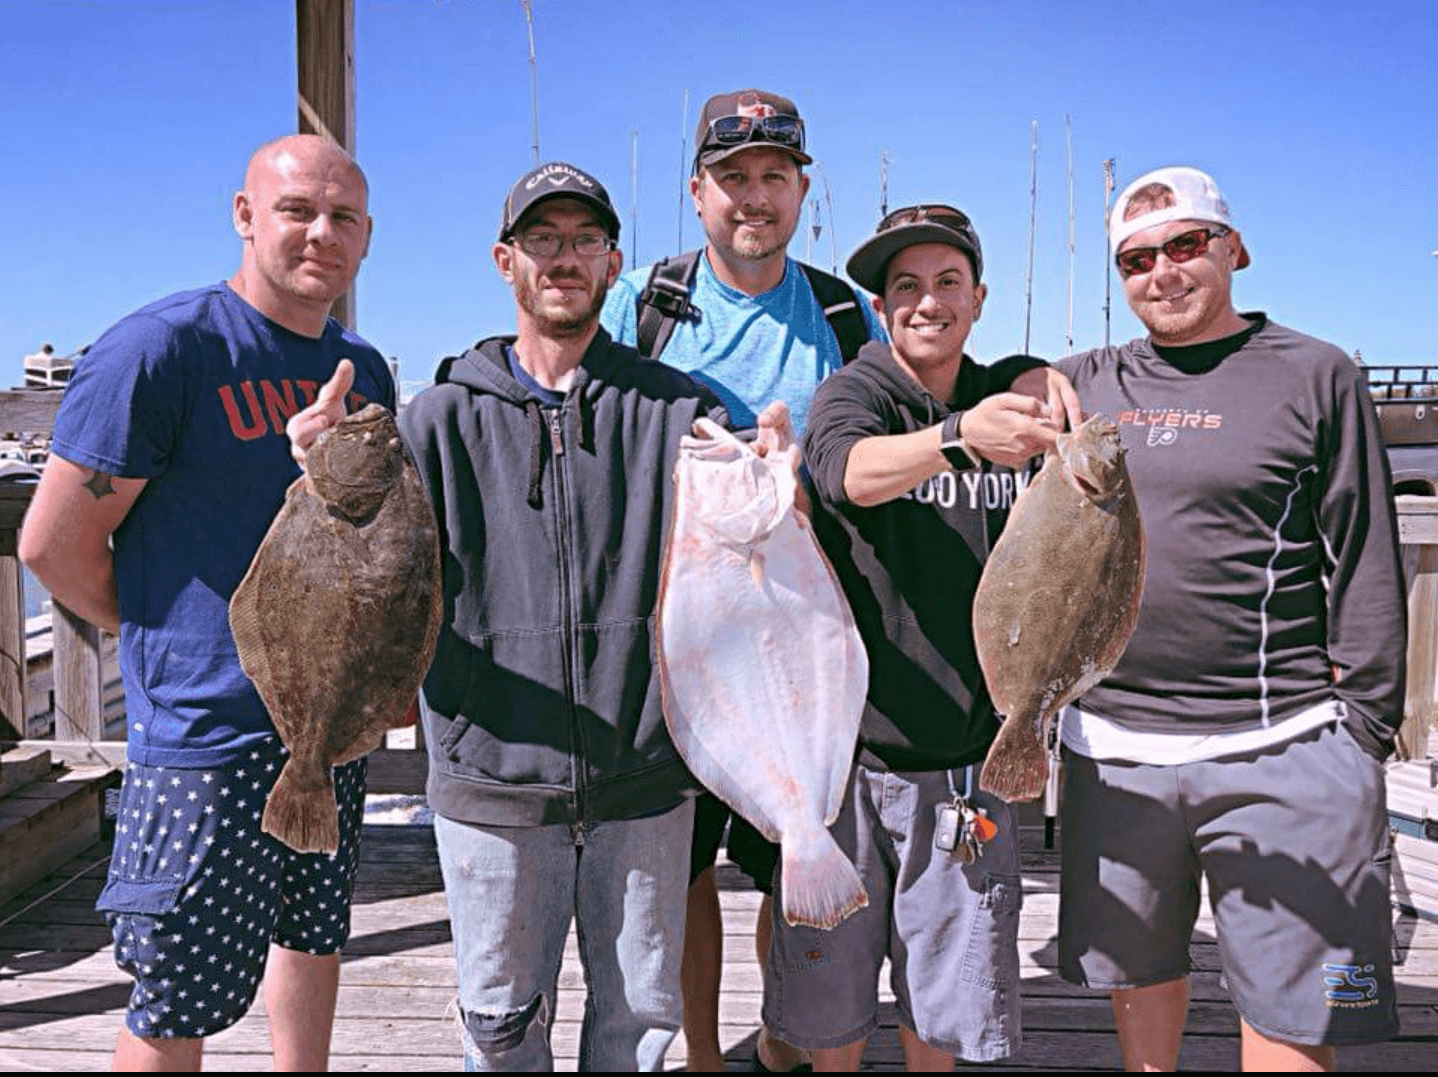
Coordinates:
<point>565,557</point>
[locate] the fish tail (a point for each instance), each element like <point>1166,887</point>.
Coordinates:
<point>819,884</point>
<point>301,810</point>
<point>1017,765</point>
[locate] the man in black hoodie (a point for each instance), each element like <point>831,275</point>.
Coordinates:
<point>557,791</point>
<point>907,509</point>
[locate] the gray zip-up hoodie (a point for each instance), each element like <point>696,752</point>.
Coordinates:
<point>542,704</point>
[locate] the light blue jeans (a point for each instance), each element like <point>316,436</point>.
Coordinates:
<point>512,892</point>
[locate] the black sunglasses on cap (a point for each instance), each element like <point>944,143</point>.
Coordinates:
<point>945,215</point>
<point>785,131</point>
<point>1177,249</point>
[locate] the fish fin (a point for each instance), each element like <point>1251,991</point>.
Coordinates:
<point>303,814</point>
<point>245,626</point>
<point>370,739</point>
<point>1017,765</point>
<point>820,886</point>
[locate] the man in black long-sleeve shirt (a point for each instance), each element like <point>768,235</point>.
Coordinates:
<point>1240,736</point>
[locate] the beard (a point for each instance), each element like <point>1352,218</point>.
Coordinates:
<point>755,250</point>
<point>757,247</point>
<point>1176,328</point>
<point>568,323</point>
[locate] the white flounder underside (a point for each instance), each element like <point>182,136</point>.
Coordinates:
<point>764,673</point>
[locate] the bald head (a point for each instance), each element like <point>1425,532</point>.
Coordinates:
<point>314,151</point>
<point>304,221</point>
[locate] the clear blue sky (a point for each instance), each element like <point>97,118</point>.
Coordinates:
<point>125,127</point>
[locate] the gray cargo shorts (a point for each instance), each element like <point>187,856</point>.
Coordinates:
<point>1294,841</point>
<point>950,930</point>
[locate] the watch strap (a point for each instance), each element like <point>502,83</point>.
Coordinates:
<point>951,444</point>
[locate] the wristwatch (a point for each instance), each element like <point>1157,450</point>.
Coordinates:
<point>951,444</point>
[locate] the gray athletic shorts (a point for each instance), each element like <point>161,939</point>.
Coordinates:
<point>1294,841</point>
<point>950,930</point>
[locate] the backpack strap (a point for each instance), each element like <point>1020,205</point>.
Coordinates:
<point>665,301</point>
<point>841,310</point>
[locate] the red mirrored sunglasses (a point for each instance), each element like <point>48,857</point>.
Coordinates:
<point>1177,249</point>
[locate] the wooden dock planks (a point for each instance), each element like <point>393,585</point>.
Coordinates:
<point>61,996</point>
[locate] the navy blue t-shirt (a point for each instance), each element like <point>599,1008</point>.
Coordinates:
<point>192,394</point>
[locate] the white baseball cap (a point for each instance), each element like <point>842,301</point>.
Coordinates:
<point>1196,198</point>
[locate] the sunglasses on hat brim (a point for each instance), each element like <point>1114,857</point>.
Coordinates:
<point>727,131</point>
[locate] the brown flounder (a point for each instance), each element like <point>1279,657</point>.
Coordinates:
<point>337,618</point>
<point>762,668</point>
<point>1058,599</point>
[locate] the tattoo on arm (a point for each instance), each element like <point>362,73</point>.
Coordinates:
<point>99,484</point>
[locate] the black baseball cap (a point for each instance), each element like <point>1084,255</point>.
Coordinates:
<point>557,180</point>
<point>907,227</point>
<point>748,118</point>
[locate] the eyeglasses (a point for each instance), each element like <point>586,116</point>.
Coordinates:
<point>945,215</point>
<point>549,244</point>
<point>1177,249</point>
<point>785,131</point>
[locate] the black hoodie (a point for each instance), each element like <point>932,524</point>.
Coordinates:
<point>542,705</point>
<point>910,565</point>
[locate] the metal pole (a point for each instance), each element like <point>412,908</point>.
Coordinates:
<point>1069,132</point>
<point>683,169</point>
<point>1033,217</point>
<point>634,197</point>
<point>533,82</point>
<point>1108,166</point>
<point>883,184</point>
<point>829,204</point>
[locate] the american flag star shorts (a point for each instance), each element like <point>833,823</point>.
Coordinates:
<point>197,892</point>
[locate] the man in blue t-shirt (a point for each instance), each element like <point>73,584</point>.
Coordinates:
<point>755,333</point>
<point>172,443</point>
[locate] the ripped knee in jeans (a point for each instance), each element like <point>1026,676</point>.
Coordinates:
<point>490,1032</point>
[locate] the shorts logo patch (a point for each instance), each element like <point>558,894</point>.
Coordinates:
<point>1350,986</point>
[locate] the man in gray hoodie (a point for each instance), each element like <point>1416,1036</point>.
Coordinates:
<point>558,794</point>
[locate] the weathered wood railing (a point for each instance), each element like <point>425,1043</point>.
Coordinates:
<point>1418,534</point>
<point>79,648</point>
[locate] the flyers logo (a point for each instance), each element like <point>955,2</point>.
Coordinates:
<point>1165,424</point>
<point>1161,435</point>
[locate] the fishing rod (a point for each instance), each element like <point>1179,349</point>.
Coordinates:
<point>533,81</point>
<point>1033,217</point>
<point>1069,138</point>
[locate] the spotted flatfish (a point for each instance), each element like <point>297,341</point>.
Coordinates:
<point>337,618</point>
<point>1058,599</point>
